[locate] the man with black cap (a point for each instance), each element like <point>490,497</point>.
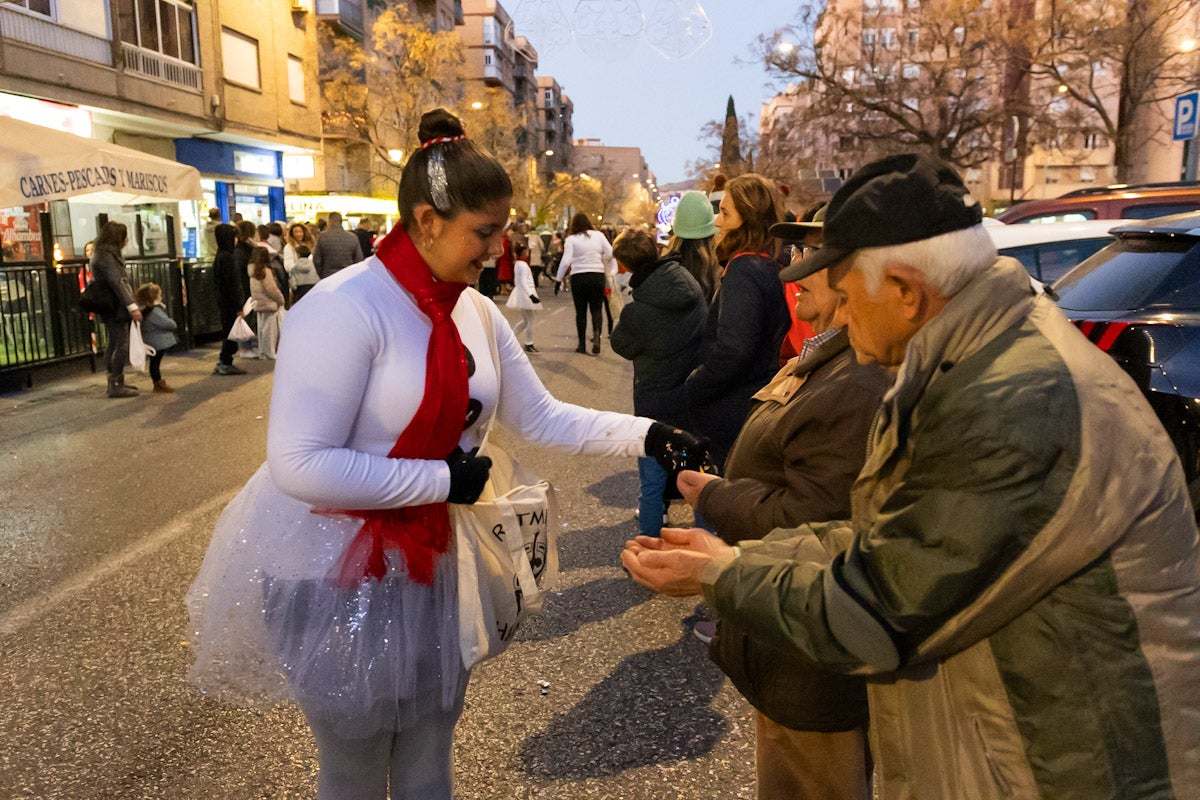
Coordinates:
<point>1020,579</point>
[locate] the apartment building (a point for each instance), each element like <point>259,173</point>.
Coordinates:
<point>227,87</point>
<point>623,171</point>
<point>555,129</point>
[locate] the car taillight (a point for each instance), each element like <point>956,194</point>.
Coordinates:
<point>1102,334</point>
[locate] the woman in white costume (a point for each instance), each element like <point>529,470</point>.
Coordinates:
<point>331,578</point>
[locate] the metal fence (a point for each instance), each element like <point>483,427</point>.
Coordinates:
<point>42,322</point>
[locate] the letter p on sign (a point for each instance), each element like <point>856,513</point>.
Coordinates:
<point>1185,116</point>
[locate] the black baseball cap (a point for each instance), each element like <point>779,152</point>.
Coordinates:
<point>895,200</point>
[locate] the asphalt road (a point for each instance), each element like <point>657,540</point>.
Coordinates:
<point>106,508</point>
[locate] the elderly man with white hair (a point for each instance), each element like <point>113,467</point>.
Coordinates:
<point>1020,579</point>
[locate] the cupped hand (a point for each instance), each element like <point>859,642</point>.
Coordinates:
<point>691,483</point>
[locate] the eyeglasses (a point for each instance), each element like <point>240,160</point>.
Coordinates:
<point>803,251</point>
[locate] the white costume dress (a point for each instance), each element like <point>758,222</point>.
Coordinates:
<point>265,622</point>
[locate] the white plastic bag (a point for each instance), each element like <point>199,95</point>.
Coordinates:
<point>249,306</point>
<point>139,351</point>
<point>241,331</point>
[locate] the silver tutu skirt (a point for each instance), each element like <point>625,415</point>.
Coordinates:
<point>267,626</point>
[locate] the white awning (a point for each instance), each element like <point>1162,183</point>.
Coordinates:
<point>41,164</point>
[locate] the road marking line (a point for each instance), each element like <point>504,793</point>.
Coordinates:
<point>42,604</point>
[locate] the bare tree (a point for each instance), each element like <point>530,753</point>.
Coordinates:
<point>909,74</point>
<point>1115,58</point>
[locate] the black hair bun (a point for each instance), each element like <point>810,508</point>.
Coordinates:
<point>439,123</point>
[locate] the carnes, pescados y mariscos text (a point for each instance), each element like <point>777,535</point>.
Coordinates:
<point>72,180</point>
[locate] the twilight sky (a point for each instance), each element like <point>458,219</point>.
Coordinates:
<point>648,101</point>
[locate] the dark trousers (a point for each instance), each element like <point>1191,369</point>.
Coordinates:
<point>587,290</point>
<point>537,276</point>
<point>116,355</point>
<point>229,349</point>
<point>155,362</point>
<point>300,291</point>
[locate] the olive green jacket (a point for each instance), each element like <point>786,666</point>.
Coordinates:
<point>1020,578</point>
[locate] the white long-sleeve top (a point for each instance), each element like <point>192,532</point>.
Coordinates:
<point>349,378</point>
<point>586,252</point>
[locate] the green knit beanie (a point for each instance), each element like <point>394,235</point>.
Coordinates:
<point>694,216</point>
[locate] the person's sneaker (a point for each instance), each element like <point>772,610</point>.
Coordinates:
<point>531,349</point>
<point>705,630</point>
<point>162,386</point>
<point>228,369</point>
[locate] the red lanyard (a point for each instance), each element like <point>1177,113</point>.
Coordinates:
<point>738,255</point>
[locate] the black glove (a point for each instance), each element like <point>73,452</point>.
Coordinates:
<point>468,474</point>
<point>534,298</point>
<point>676,450</point>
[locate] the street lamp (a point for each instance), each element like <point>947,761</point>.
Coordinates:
<point>477,105</point>
<point>549,152</point>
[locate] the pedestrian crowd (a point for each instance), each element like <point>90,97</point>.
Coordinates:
<point>947,549</point>
<point>259,271</point>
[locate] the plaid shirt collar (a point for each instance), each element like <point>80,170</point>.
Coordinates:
<point>812,344</point>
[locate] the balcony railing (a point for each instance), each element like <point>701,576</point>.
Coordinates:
<point>49,35</point>
<point>164,68</point>
<point>345,14</point>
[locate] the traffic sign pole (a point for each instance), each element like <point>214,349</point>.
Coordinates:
<point>1185,128</point>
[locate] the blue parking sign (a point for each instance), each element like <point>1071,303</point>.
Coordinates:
<point>1185,116</point>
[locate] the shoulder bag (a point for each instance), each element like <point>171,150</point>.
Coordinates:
<point>506,544</point>
<point>98,298</point>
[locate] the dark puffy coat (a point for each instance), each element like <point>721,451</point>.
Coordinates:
<point>740,353</point>
<point>242,252</point>
<point>230,294</point>
<point>660,333</point>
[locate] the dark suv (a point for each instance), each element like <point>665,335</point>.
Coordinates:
<point>1120,201</point>
<point>1138,299</point>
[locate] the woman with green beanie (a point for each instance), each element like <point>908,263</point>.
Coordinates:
<point>692,237</point>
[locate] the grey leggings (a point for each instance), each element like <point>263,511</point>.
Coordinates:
<point>416,760</point>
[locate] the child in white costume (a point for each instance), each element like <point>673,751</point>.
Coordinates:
<point>376,665</point>
<point>524,296</point>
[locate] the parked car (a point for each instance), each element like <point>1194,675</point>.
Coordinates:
<point>1119,201</point>
<point>1138,299</point>
<point>1049,251</point>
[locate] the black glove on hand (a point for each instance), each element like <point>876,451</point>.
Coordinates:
<point>534,298</point>
<point>468,474</point>
<point>676,450</point>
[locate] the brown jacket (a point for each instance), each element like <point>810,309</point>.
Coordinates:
<point>795,459</point>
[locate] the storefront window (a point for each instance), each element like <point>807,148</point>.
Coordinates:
<point>253,202</point>
<point>20,233</point>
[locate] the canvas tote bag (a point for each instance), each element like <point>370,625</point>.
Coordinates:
<point>506,544</point>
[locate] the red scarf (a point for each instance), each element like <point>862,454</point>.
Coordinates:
<point>422,533</point>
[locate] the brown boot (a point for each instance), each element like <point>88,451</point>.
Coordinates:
<point>163,386</point>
